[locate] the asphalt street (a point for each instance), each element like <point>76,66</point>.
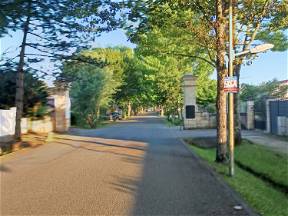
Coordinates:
<point>135,167</point>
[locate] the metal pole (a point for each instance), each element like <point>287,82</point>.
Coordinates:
<point>231,100</point>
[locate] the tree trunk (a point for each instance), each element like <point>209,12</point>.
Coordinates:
<point>98,112</point>
<point>129,109</point>
<point>20,81</point>
<point>221,152</point>
<point>237,116</point>
<point>180,113</point>
<point>161,111</point>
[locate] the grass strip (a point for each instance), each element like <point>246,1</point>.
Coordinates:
<point>265,199</point>
<point>262,161</point>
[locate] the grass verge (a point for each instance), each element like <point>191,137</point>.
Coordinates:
<point>100,124</point>
<point>271,165</point>
<point>261,196</point>
<point>173,122</point>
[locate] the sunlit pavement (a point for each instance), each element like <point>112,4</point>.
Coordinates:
<point>137,167</point>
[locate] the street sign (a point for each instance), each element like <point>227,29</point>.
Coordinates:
<point>231,84</point>
<point>190,112</point>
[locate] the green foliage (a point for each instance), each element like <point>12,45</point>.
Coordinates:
<point>270,89</point>
<point>39,111</point>
<point>171,37</point>
<point>136,89</point>
<point>260,93</point>
<point>206,88</point>
<point>35,92</point>
<point>278,39</point>
<point>53,29</point>
<point>88,92</point>
<point>95,81</point>
<point>185,30</point>
<point>265,199</point>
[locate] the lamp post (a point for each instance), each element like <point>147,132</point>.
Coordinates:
<point>232,56</point>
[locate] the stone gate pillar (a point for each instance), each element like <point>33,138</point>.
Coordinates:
<point>250,115</point>
<point>190,107</point>
<point>60,102</point>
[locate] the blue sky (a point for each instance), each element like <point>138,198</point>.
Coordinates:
<point>266,67</point>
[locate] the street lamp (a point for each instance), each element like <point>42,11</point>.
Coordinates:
<point>258,49</point>
<point>232,56</point>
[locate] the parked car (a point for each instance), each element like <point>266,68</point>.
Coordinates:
<point>116,116</point>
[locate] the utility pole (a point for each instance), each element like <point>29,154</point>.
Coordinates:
<point>232,56</point>
<point>231,96</point>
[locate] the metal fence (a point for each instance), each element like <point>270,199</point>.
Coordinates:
<point>278,108</point>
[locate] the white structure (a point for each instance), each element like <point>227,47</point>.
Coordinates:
<point>59,121</point>
<point>7,124</point>
<point>60,104</point>
<point>282,125</point>
<point>192,118</point>
<point>190,107</point>
<point>247,114</point>
<point>250,115</point>
<point>276,123</point>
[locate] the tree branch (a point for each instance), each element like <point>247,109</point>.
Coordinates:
<point>34,34</point>
<point>247,42</point>
<point>191,56</point>
<point>42,55</point>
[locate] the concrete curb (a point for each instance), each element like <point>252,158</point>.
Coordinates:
<point>227,188</point>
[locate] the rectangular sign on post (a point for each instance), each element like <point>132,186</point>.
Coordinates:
<point>190,112</point>
<point>231,84</point>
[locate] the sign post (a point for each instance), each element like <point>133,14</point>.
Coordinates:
<point>231,84</point>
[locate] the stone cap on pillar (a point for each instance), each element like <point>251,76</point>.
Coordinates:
<point>189,80</point>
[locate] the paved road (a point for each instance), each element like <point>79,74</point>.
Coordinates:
<point>138,167</point>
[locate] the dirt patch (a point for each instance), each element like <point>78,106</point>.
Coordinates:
<point>28,140</point>
<point>202,142</point>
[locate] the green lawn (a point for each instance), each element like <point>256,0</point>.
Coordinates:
<point>100,124</point>
<point>262,160</point>
<point>261,196</point>
<point>173,122</point>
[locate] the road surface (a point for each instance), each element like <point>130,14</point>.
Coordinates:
<point>137,167</point>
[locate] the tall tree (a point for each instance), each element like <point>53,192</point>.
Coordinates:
<point>36,91</point>
<point>136,89</point>
<point>201,29</point>
<point>260,21</point>
<point>206,23</point>
<point>166,35</point>
<point>99,73</point>
<point>220,25</point>
<point>53,27</point>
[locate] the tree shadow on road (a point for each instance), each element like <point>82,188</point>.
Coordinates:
<point>166,178</point>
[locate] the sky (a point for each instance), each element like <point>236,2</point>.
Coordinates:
<point>268,66</point>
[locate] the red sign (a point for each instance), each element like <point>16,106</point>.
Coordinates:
<point>231,84</point>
